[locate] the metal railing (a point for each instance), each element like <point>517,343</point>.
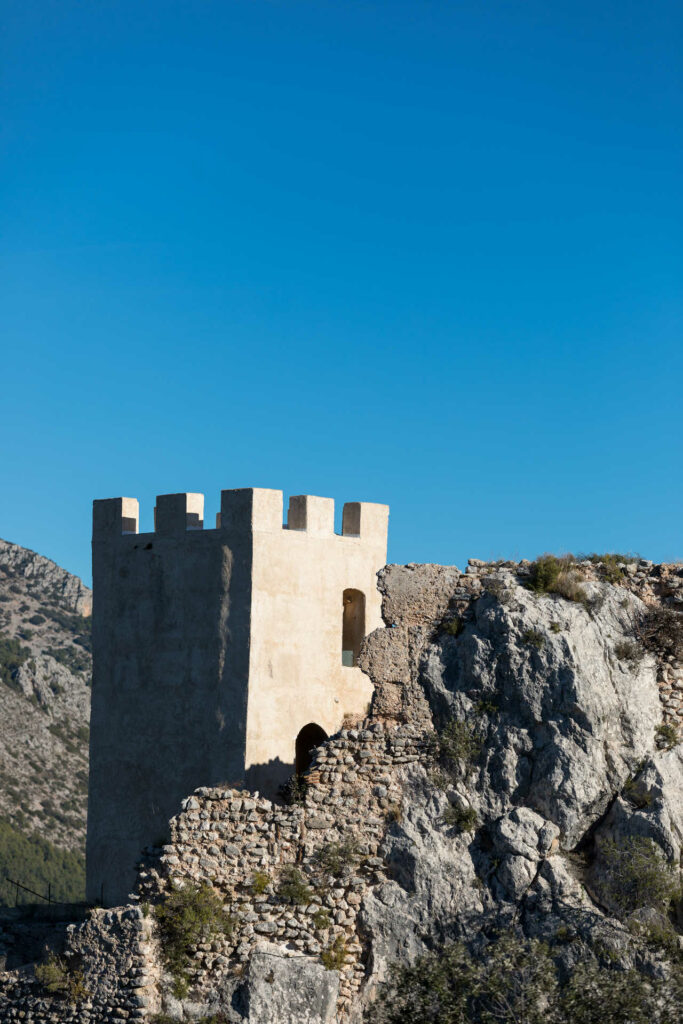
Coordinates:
<point>18,886</point>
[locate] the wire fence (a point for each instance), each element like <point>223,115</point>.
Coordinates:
<point>25,888</point>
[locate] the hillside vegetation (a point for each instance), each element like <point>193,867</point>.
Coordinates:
<point>37,864</point>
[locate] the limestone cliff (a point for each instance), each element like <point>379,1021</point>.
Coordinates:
<point>45,674</point>
<point>512,735</point>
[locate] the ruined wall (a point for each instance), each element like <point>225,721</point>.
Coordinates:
<point>224,837</point>
<point>118,956</point>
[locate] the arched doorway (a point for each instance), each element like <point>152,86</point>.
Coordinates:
<point>310,737</point>
<point>353,626</point>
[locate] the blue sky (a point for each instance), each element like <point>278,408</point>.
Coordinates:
<point>424,253</point>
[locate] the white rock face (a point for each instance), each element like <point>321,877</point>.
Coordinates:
<point>46,577</point>
<point>564,725</point>
<point>573,719</point>
<point>286,989</point>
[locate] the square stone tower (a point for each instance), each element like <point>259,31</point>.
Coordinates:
<point>219,656</point>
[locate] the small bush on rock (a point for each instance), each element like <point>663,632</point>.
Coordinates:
<point>293,791</point>
<point>498,589</point>
<point>610,565</point>
<point>187,917</point>
<point>334,957</point>
<point>463,818</point>
<point>459,741</point>
<point>337,859</point>
<point>637,794</point>
<point>453,626</point>
<point>62,978</point>
<point>668,735</point>
<point>12,656</point>
<point>259,883</point>
<point>457,747</point>
<point>630,651</point>
<point>321,920</point>
<point>533,638</point>
<point>636,875</point>
<point>552,575</point>
<point>512,981</point>
<point>293,888</point>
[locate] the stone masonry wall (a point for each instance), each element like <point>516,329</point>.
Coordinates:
<point>117,953</point>
<point>224,837</point>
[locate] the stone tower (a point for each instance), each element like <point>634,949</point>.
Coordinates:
<point>220,655</point>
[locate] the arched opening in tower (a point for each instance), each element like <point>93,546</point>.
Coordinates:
<point>310,737</point>
<point>353,626</point>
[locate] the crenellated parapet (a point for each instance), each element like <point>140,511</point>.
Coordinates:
<point>254,509</point>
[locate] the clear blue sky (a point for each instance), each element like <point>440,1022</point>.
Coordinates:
<point>424,253</point>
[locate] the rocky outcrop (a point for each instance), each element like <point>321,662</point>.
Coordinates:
<point>44,579</point>
<point>45,675</point>
<point>512,734</point>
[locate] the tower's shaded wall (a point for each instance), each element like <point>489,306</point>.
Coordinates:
<point>171,660</point>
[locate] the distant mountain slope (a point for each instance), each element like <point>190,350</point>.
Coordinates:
<point>45,675</point>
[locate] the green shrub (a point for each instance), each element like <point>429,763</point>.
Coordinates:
<point>512,981</point>
<point>293,791</point>
<point>609,565</point>
<point>293,888</point>
<point>337,859</point>
<point>334,957</point>
<point>61,978</point>
<point>629,650</point>
<point>321,920</point>
<point>185,918</point>
<point>555,627</point>
<point>636,875</point>
<point>75,660</point>
<point>552,575</point>
<point>463,818</point>
<point>12,657</point>
<point>453,626</point>
<point>501,591</point>
<point>517,981</point>
<point>486,707</point>
<point>260,882</point>
<point>459,741</point>
<point>602,995</point>
<point>636,792</point>
<point>533,638</point>
<point>668,735</point>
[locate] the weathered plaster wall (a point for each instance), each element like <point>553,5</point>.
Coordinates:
<point>296,674</point>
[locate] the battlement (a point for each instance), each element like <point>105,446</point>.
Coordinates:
<point>243,510</point>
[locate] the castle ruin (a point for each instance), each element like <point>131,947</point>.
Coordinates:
<point>221,656</point>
